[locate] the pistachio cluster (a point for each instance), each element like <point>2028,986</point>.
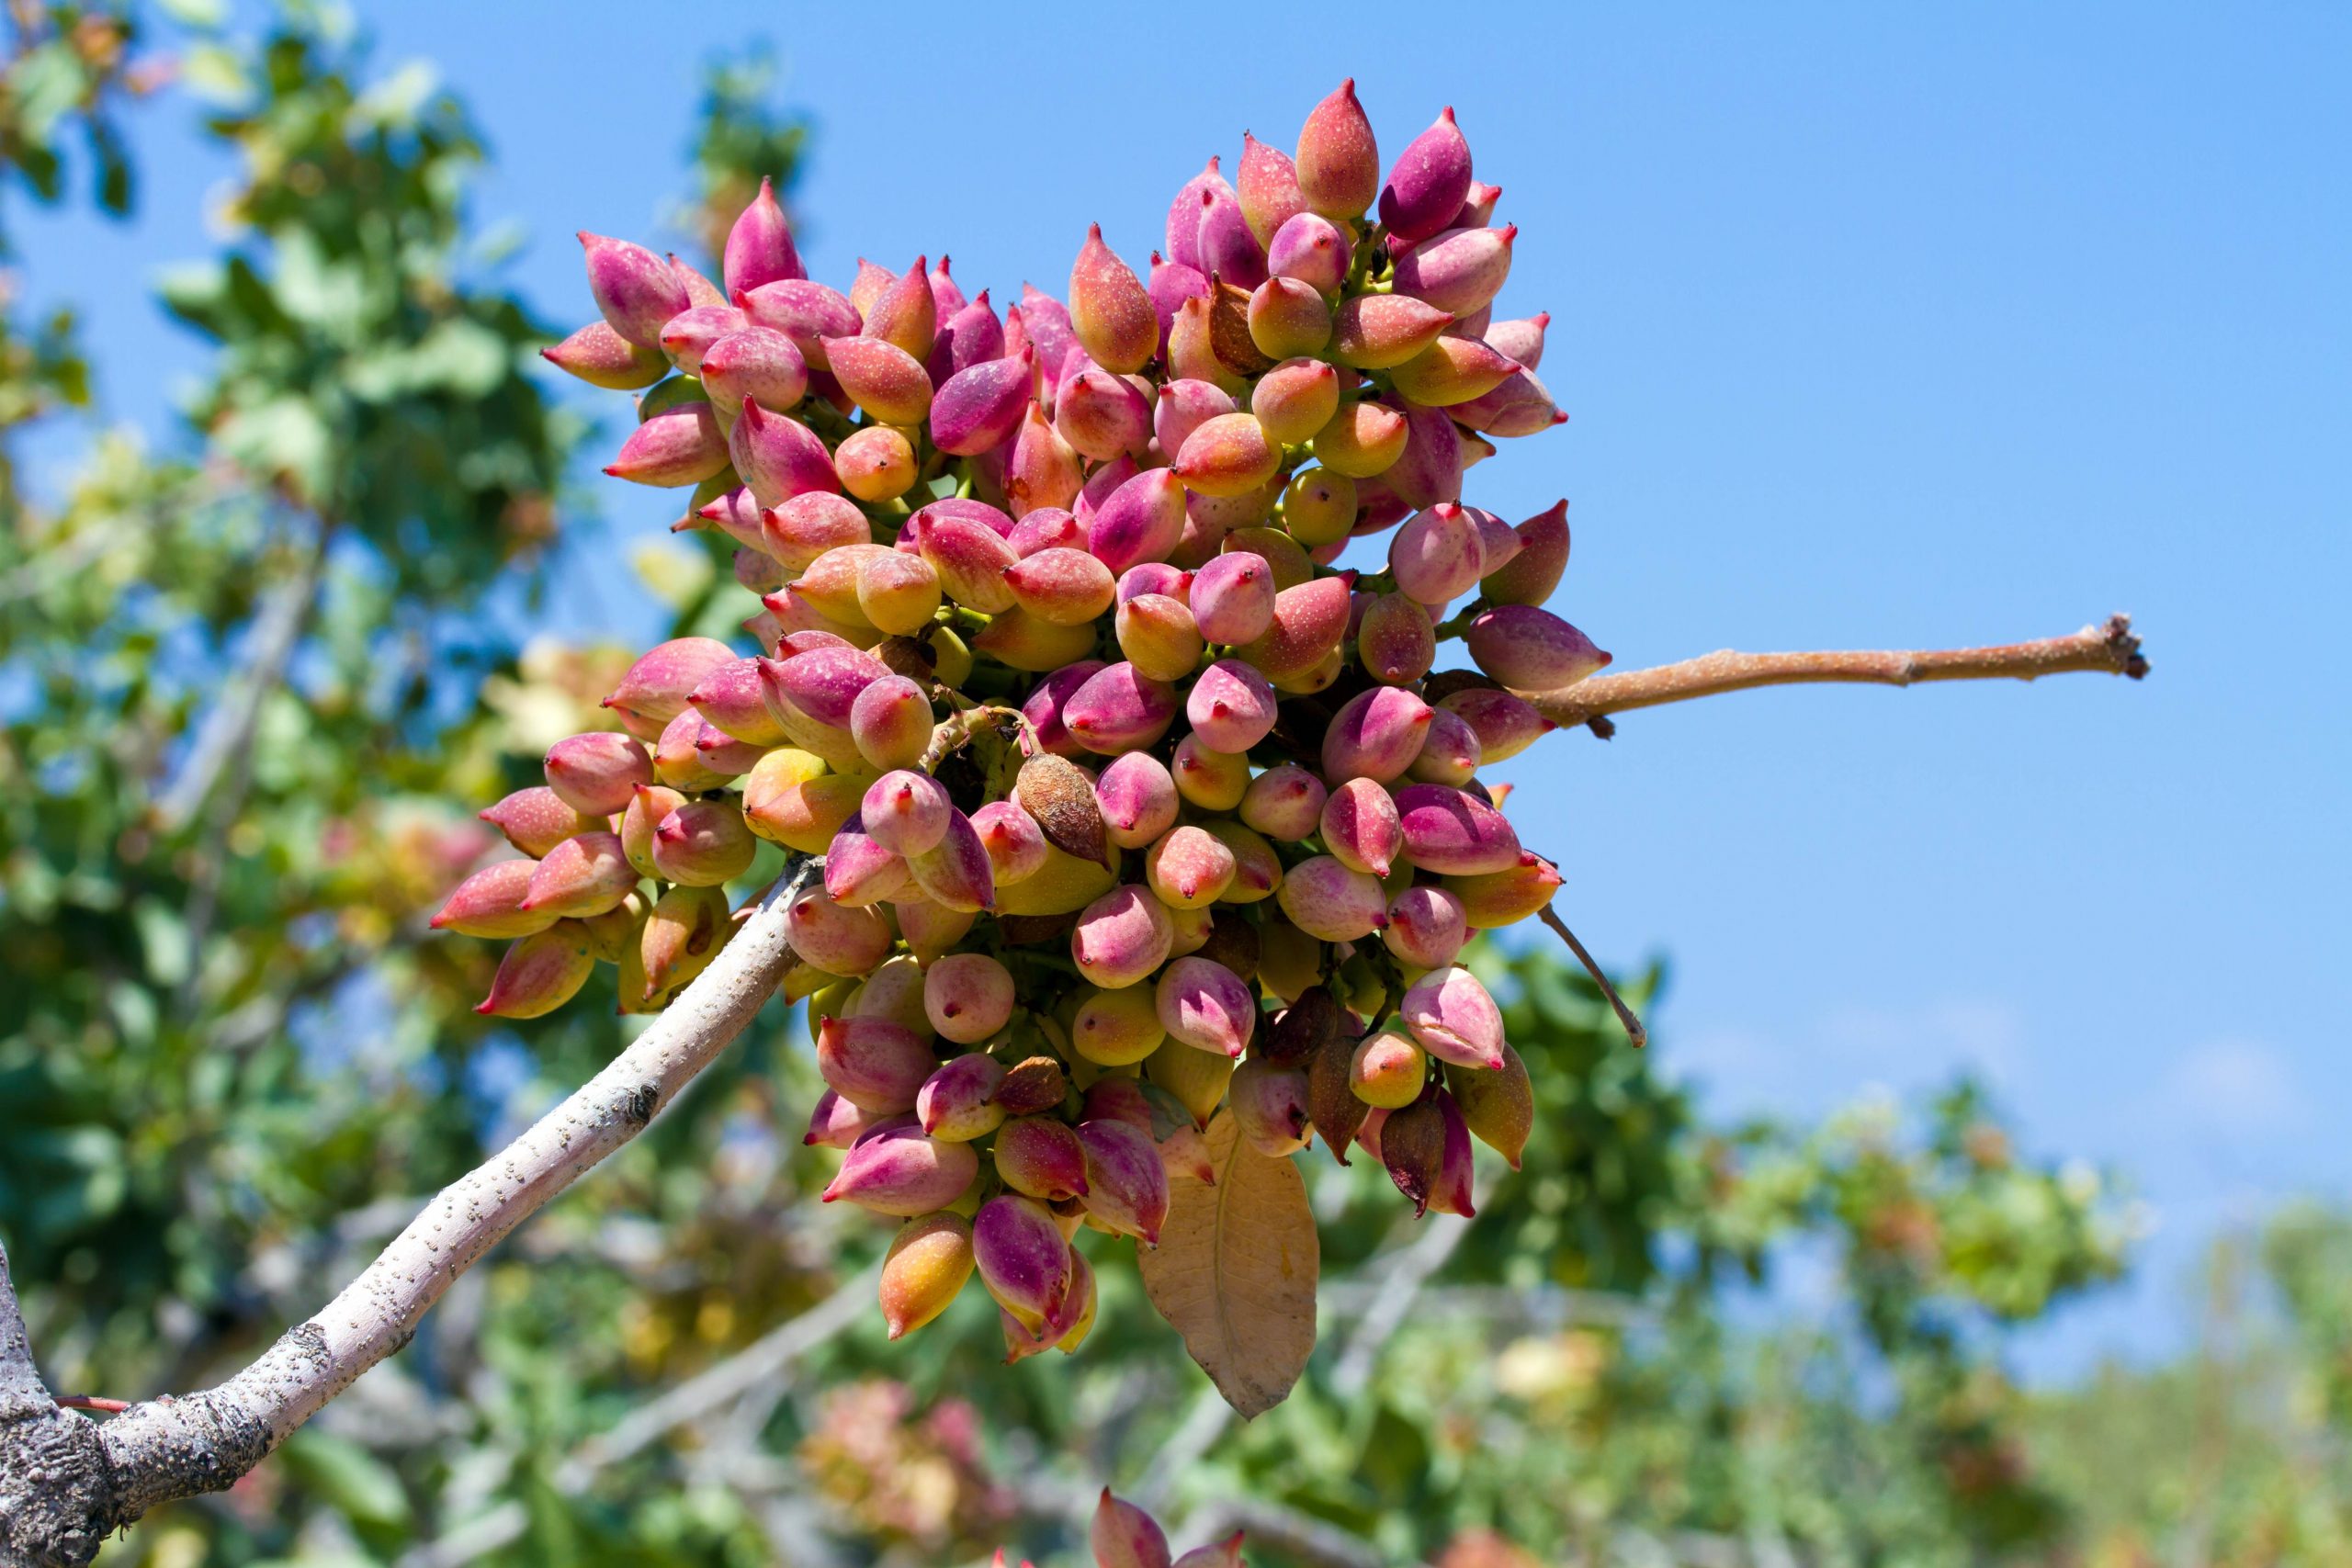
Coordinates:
<point>1131,806</point>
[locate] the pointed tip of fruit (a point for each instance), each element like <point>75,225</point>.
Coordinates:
<point>482,1006</point>
<point>1446,114</point>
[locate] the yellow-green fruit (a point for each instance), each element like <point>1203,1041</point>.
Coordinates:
<point>1388,1070</point>
<point>1214,780</point>
<point>1197,1078</point>
<point>1315,678</point>
<point>1364,991</point>
<point>1503,897</point>
<point>1289,961</point>
<point>1192,928</point>
<point>1257,870</point>
<point>1319,506</point>
<point>928,1262</point>
<point>1065,886</point>
<point>1115,1028</point>
<point>777,807</point>
<point>832,1000</point>
<point>1498,1103</point>
<point>1032,644</point>
<point>954,666</point>
<point>894,992</point>
<point>1283,554</point>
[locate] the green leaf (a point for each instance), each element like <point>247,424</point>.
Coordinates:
<point>282,437</point>
<point>215,73</point>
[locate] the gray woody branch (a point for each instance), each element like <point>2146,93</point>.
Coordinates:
<point>67,1482</point>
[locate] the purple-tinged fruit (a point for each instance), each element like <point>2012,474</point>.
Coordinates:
<point>1138,800</point>
<point>1330,901</point>
<point>681,445</point>
<point>1426,926</point>
<point>602,358</point>
<point>957,1103</point>
<point>1453,1017</point>
<point>1285,803</point>
<point>535,820</point>
<point>585,874</point>
<point>967,997</point>
<point>1121,937</point>
<point>1532,650</point>
<point>1376,735</point>
<point>897,1170</point>
<point>1269,1107</point>
<point>1338,163</point>
<point>1109,310</point>
<point>490,902</point>
<point>1232,707</point>
<point>1023,1259</point>
<point>1459,270</point>
<point>634,290</point>
<point>835,937</point>
<point>1453,832</point>
<point>540,973</point>
<point>1361,827</point>
<point>702,843</point>
<point>1379,332</point>
<point>1427,185</point>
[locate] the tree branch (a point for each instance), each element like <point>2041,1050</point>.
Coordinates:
<point>63,1489</point>
<point>2111,648</point>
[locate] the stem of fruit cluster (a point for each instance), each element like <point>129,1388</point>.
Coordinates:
<point>2109,648</point>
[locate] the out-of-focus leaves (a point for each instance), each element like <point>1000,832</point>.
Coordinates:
<point>346,1477</point>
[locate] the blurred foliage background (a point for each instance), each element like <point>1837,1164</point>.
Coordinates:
<point>244,675</point>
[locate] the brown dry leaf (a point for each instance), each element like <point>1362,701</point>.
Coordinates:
<point>1235,1270</point>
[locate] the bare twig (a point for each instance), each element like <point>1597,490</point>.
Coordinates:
<point>66,1492</point>
<point>1634,1030</point>
<point>93,1402</point>
<point>227,741</point>
<point>720,1384</point>
<point>1401,1281</point>
<point>225,738</point>
<point>703,1394</point>
<point>1295,1534</point>
<point>2111,648</point>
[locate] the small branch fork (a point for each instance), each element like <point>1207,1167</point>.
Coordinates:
<point>67,1482</point>
<point>2109,648</point>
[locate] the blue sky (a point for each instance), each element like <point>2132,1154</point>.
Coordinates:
<point>1878,328</point>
